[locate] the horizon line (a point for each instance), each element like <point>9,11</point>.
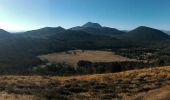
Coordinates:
<point>25,30</point>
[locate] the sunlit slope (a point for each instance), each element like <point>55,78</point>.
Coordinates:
<point>135,84</point>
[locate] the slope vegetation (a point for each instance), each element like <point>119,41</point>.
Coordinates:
<point>145,84</point>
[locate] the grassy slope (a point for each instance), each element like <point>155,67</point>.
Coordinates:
<point>135,84</point>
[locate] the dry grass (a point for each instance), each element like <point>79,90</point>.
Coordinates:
<point>144,84</point>
<point>157,94</point>
<point>7,96</point>
<point>72,57</point>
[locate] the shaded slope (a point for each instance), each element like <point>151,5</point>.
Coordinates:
<point>71,39</point>
<point>37,43</point>
<point>13,57</point>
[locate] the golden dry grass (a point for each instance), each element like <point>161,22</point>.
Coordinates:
<point>7,96</point>
<point>89,55</point>
<point>157,94</point>
<point>144,84</point>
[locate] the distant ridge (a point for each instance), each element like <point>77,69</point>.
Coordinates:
<point>97,29</point>
<point>43,32</point>
<point>4,33</point>
<point>144,33</point>
<point>168,32</point>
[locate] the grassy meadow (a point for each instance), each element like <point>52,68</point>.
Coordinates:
<point>73,57</point>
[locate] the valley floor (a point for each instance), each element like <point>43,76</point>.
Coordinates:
<point>74,56</point>
<point>144,84</point>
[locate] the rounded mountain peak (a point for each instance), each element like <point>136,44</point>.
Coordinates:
<point>146,29</point>
<point>92,25</point>
<point>146,33</point>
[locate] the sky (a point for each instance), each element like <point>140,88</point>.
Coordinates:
<point>21,15</point>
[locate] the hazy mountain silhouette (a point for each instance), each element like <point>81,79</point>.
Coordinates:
<point>43,32</point>
<point>167,32</point>
<point>144,33</point>
<point>97,29</point>
<point>4,33</point>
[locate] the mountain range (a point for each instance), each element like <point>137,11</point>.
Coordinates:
<point>140,33</point>
<point>22,49</point>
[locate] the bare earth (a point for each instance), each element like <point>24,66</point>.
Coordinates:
<point>72,57</point>
<point>143,84</point>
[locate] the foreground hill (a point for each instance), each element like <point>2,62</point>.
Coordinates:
<point>144,84</point>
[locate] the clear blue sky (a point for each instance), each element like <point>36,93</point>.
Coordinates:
<point>122,14</point>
